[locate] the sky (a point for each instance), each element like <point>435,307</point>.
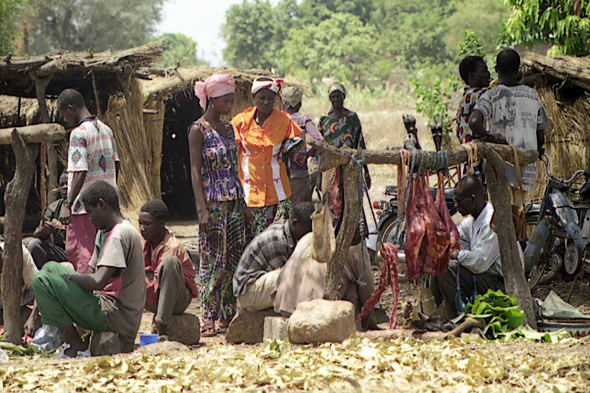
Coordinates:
<point>201,20</point>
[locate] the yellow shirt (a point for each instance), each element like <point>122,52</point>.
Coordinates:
<point>262,170</point>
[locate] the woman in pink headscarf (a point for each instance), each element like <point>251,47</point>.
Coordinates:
<point>219,197</point>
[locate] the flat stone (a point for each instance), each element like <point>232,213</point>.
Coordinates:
<point>275,328</point>
<point>165,347</point>
<point>320,321</point>
<point>185,328</point>
<point>247,327</point>
<point>104,343</point>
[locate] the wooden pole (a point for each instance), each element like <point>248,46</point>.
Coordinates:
<point>350,221</point>
<point>42,78</point>
<point>15,200</point>
<point>95,88</point>
<point>39,133</point>
<point>512,268</point>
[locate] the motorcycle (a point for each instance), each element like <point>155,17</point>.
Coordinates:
<point>560,241</point>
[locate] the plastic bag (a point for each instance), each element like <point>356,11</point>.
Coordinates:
<point>47,338</point>
<point>324,240</point>
<point>3,357</point>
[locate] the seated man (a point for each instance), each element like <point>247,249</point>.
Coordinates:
<point>303,278</point>
<point>170,273</point>
<point>108,298</point>
<point>257,272</point>
<point>478,260</point>
<point>45,247</point>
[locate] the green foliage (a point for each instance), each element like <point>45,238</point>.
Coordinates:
<point>9,10</point>
<point>485,18</point>
<point>471,45</point>
<point>433,100</point>
<point>564,23</point>
<point>340,47</point>
<point>179,48</point>
<point>93,24</point>
<point>499,312</point>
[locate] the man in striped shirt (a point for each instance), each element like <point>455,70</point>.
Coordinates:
<point>478,260</point>
<point>255,279</point>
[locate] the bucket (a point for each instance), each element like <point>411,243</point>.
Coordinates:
<point>147,339</point>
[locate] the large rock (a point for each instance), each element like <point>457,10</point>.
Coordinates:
<point>185,329</point>
<point>320,321</point>
<point>275,328</point>
<point>104,343</point>
<point>247,327</point>
<point>165,348</point>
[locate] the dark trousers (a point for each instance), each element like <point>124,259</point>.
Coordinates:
<point>44,251</point>
<point>444,286</point>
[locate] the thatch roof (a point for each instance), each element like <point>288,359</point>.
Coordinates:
<point>28,114</point>
<point>70,69</point>
<point>574,70</point>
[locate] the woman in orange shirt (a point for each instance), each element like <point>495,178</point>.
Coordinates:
<point>261,134</point>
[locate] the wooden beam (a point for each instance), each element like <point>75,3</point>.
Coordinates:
<point>512,268</point>
<point>38,133</point>
<point>331,157</point>
<point>48,69</point>
<point>15,200</point>
<point>350,222</point>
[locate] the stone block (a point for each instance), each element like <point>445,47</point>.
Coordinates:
<point>104,343</point>
<point>165,348</point>
<point>275,328</point>
<point>185,328</point>
<point>320,321</point>
<point>248,327</point>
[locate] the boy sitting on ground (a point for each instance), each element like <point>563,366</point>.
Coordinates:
<point>49,243</point>
<point>170,273</point>
<point>110,297</point>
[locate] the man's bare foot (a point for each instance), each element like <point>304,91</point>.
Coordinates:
<point>76,343</point>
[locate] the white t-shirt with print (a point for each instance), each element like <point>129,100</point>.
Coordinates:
<point>515,113</point>
<point>92,149</point>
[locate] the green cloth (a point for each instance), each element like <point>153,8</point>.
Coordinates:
<point>62,303</point>
<point>54,211</point>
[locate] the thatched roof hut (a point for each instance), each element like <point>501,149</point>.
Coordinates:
<point>565,91</point>
<point>150,115</point>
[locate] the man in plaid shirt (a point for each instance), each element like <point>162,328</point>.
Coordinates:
<point>255,279</point>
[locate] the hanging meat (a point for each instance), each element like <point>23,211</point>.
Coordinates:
<point>389,277</point>
<point>431,235</point>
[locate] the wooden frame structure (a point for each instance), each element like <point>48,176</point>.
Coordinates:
<point>496,177</point>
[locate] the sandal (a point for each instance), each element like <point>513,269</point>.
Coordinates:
<point>61,353</point>
<point>223,326</point>
<point>208,329</point>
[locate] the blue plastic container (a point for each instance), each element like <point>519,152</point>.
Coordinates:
<point>147,339</point>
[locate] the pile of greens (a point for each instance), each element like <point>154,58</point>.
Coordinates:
<point>503,319</point>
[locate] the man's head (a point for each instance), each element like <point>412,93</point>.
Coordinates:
<point>470,196</point>
<point>71,106</point>
<point>101,202</point>
<point>63,185</point>
<point>152,219</point>
<point>300,221</point>
<point>507,63</point>
<point>474,71</point>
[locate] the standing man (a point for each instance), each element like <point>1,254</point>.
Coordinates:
<point>49,241</point>
<point>299,174</point>
<point>514,115</point>
<point>170,273</point>
<point>92,156</point>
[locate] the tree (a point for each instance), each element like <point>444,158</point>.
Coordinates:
<point>564,23</point>
<point>341,47</point>
<point>471,45</point>
<point>78,25</point>
<point>9,9</point>
<point>179,48</point>
<point>485,18</point>
<point>413,30</point>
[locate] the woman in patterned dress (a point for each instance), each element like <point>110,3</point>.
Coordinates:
<point>340,128</point>
<point>262,133</point>
<point>219,197</point>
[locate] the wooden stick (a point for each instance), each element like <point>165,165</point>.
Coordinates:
<point>350,221</point>
<point>15,200</point>
<point>331,157</point>
<point>39,133</point>
<point>512,269</point>
<point>98,110</point>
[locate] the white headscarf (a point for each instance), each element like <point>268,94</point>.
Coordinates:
<point>273,85</point>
